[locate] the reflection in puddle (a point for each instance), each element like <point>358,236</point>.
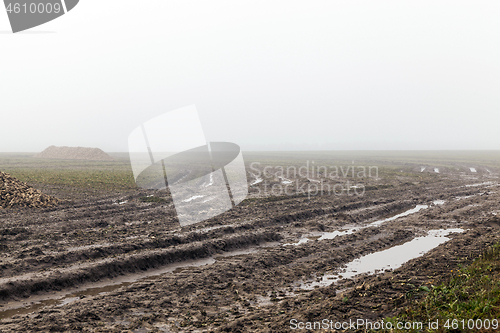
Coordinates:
<point>257,179</point>
<point>210,183</point>
<point>436,170</point>
<point>68,300</point>
<point>35,303</point>
<point>473,170</point>
<point>300,242</point>
<point>465,197</point>
<point>193,198</point>
<point>480,184</point>
<point>285,181</point>
<point>391,258</point>
<point>332,235</point>
<point>408,212</point>
<point>60,299</point>
<point>255,182</point>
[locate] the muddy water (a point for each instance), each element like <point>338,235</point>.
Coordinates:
<point>480,184</point>
<point>385,260</point>
<point>257,179</point>
<point>285,181</point>
<point>193,198</point>
<point>408,212</point>
<point>35,303</point>
<point>332,235</point>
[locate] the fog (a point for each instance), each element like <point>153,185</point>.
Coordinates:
<point>267,75</point>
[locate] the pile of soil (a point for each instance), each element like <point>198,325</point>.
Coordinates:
<point>15,193</point>
<point>74,153</point>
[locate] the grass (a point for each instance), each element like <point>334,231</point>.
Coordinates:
<point>471,295</point>
<point>96,179</point>
<point>395,168</point>
<point>152,199</point>
<point>105,175</point>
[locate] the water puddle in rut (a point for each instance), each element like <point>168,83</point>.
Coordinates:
<point>59,299</point>
<point>392,258</point>
<point>333,234</point>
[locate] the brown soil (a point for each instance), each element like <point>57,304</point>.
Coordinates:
<point>74,153</point>
<point>105,239</point>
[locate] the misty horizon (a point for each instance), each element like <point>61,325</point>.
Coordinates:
<point>268,77</point>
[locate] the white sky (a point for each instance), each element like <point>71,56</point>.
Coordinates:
<point>270,75</point>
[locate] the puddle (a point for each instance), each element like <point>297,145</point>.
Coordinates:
<point>465,197</point>
<point>385,260</point>
<point>60,299</point>
<point>480,184</point>
<point>68,300</point>
<point>333,234</point>
<point>285,181</point>
<point>408,212</point>
<point>436,170</point>
<point>300,242</point>
<point>193,198</point>
<point>473,170</point>
<point>211,181</point>
<point>237,253</point>
<point>256,181</point>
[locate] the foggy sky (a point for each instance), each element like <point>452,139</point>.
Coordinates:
<point>267,75</point>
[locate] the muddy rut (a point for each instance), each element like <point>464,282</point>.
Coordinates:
<point>115,263</point>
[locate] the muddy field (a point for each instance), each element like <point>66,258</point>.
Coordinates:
<point>115,259</point>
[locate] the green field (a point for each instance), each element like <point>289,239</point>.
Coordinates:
<point>468,299</point>
<point>117,175</point>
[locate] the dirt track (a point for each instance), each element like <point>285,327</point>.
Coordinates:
<point>231,273</point>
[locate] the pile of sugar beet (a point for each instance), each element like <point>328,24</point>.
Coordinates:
<point>15,193</point>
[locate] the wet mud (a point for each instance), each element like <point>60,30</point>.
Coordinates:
<point>118,263</point>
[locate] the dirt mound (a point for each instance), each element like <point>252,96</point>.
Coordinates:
<point>15,193</point>
<point>74,153</point>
